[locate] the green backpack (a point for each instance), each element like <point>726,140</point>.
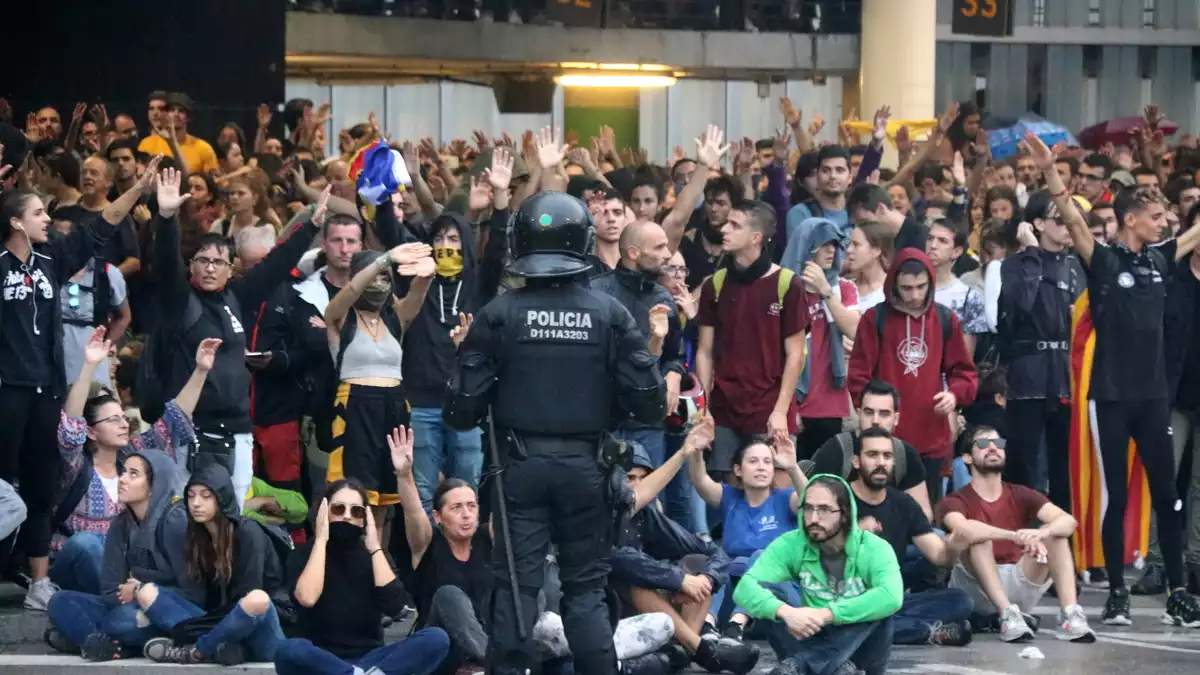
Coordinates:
<point>784,282</point>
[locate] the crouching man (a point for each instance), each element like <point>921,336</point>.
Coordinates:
<point>831,587</point>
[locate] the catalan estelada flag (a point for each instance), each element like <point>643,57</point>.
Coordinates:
<point>1089,497</point>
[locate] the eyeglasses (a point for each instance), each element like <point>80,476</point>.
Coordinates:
<point>819,510</point>
<point>675,270</point>
<point>983,443</point>
<point>215,263</point>
<point>357,511</point>
<point>73,292</point>
<point>112,419</point>
<point>1091,177</point>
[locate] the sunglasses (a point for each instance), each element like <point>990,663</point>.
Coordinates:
<point>357,511</point>
<point>983,443</point>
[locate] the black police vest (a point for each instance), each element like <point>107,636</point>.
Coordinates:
<point>557,361</point>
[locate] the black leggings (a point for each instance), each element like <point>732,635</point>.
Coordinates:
<point>1148,424</point>
<point>29,455</point>
<point>1027,421</point>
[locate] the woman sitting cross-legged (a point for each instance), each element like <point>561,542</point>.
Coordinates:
<point>343,585</point>
<point>234,561</point>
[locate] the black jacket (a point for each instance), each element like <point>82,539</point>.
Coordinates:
<point>189,315</point>
<point>1178,328</point>
<point>58,259</point>
<point>279,391</point>
<point>651,547</point>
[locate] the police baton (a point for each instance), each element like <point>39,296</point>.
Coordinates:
<point>505,533</point>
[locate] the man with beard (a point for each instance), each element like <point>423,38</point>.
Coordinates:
<point>833,180</point>
<point>937,616</point>
<point>1009,566</point>
<point>635,285</point>
<point>830,588</point>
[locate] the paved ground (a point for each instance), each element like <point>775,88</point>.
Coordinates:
<point>1146,648</point>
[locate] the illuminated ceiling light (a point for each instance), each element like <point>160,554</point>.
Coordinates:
<point>647,67</point>
<point>578,65</point>
<point>615,80</point>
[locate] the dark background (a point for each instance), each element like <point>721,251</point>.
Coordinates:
<point>228,55</point>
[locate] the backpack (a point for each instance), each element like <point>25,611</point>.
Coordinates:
<point>899,455</point>
<point>784,282</point>
<point>883,309</point>
<point>74,494</point>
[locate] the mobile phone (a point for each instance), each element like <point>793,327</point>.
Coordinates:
<point>250,353</point>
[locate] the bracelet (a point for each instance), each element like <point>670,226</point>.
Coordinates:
<point>378,550</point>
<point>383,261</point>
<point>1060,195</point>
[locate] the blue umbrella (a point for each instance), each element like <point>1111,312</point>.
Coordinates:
<point>1004,134</point>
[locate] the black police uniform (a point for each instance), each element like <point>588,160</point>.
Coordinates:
<point>554,360</point>
<point>1038,289</point>
<point>1127,295</point>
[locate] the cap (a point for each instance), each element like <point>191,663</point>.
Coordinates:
<point>1123,177</point>
<point>179,99</point>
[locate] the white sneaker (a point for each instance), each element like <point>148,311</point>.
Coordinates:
<point>39,594</point>
<point>1073,625</point>
<point>1013,627</point>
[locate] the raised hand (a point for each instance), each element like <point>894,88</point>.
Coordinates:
<point>708,147</point>
<point>784,451</point>
<point>263,114</point>
<point>948,117</point>
<point>480,195</point>
<point>406,254</point>
<point>958,170</point>
<point>881,122</point>
<point>459,332</point>
<point>700,436</point>
<point>371,533</point>
<point>141,213</point>
<point>783,144</point>
<point>425,268</point>
<point>400,442</point>
<point>78,113</point>
<point>322,211</point>
<point>903,141</point>
<point>169,198</point>
<point>321,526</point>
<point>550,148</point>
<point>481,140</point>
<point>791,116</point>
<point>1042,156</point>
<point>816,125</point>
<point>499,174</point>
<point>743,159</point>
<point>412,158</point>
<point>97,348</point>
<point>206,354</point>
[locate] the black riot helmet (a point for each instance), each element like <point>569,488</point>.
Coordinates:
<point>550,236</point>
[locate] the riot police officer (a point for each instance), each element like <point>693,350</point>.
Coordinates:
<point>555,361</point>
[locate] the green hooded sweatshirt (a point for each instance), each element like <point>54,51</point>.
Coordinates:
<point>873,586</point>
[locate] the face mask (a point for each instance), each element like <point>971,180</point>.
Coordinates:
<point>343,532</point>
<point>448,261</point>
<point>373,297</point>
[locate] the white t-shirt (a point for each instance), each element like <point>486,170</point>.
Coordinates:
<point>110,486</point>
<point>966,304</point>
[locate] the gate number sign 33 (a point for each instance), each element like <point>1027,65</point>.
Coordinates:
<point>985,8</point>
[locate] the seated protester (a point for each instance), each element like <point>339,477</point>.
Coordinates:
<point>144,548</point>
<point>365,323</point>
<point>880,408</point>
<point>661,567</point>
<point>12,510</point>
<point>753,516</point>
<point>233,560</point>
<point>843,586</point>
<point>936,616</point>
<point>94,439</point>
<point>1009,567</point>
<point>343,585</point>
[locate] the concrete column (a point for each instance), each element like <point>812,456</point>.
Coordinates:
<point>899,41</point>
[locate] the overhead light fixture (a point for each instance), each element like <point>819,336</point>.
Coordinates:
<point>648,67</point>
<point>614,80</point>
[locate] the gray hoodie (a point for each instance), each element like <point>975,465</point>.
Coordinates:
<point>151,551</point>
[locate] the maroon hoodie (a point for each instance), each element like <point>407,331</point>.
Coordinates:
<point>912,358</point>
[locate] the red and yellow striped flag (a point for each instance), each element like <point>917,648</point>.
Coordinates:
<point>1089,498</point>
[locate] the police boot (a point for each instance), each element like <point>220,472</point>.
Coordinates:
<point>723,657</point>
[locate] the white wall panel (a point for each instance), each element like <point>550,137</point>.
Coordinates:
<point>465,108</point>
<point>748,114</point>
<point>825,99</point>
<point>691,106</point>
<point>652,124</point>
<point>413,111</point>
<point>353,103</point>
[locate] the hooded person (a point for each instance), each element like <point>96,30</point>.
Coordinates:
<point>144,549</point>
<point>232,560</point>
<point>816,252</point>
<point>829,587</point>
<point>918,346</point>
<point>430,358</point>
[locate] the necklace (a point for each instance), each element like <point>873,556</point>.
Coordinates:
<point>372,326</point>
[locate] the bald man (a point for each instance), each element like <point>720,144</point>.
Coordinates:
<point>643,252</point>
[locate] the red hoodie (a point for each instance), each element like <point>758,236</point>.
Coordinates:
<point>927,363</point>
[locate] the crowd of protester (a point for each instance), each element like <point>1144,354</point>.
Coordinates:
<point>242,358</point>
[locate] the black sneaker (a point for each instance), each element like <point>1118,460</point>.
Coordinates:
<point>646,664</point>
<point>164,650</point>
<point>1116,610</point>
<point>1033,621</point>
<point>709,632</point>
<point>677,657</point>
<point>718,657</point>
<point>734,633</point>
<point>1182,610</point>
<point>59,642</point>
<point>230,654</point>
<point>1153,582</point>
<point>787,666</point>
<point>984,623</point>
<point>847,668</point>
<point>950,633</point>
<point>99,647</point>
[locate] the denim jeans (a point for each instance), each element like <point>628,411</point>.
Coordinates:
<point>678,495</point>
<point>912,623</point>
<point>259,635</point>
<point>76,566</point>
<point>420,654</point>
<point>961,475</point>
<point>737,568</point>
<point>440,449</point>
<point>77,615</point>
<point>868,645</point>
